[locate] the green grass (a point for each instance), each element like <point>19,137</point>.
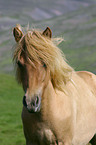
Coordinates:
<point>11,132</point>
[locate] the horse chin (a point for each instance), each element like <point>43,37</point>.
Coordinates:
<point>36,110</point>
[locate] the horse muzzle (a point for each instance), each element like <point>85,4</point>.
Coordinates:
<point>34,105</point>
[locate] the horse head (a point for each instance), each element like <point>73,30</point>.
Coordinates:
<point>33,72</point>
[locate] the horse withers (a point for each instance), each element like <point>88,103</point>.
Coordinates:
<point>59,105</point>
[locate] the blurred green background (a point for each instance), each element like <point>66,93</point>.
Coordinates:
<point>75,20</point>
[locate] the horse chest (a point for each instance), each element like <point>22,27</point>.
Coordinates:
<point>35,130</point>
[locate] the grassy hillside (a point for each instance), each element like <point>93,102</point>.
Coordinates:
<point>80,35</point>
<point>10,111</point>
<point>78,29</point>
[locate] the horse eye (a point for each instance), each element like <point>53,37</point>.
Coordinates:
<point>44,65</point>
<point>19,63</point>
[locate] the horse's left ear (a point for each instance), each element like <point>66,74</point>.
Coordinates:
<point>47,32</point>
<point>17,32</point>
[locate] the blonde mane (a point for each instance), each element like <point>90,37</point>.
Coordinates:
<point>40,48</point>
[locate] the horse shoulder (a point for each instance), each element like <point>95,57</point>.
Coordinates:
<point>89,78</point>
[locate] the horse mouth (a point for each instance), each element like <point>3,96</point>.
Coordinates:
<point>32,108</point>
<point>36,110</point>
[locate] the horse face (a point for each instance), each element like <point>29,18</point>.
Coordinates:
<point>34,79</point>
<point>33,76</point>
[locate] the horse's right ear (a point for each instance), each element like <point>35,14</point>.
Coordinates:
<point>17,33</point>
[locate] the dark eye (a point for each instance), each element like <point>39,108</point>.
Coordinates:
<point>44,65</point>
<point>19,63</point>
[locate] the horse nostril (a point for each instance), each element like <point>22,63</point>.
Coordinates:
<point>35,102</point>
<point>24,101</point>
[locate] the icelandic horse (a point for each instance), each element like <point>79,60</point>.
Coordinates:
<point>59,105</point>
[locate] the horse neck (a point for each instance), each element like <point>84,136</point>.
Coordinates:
<point>49,90</point>
<point>48,95</point>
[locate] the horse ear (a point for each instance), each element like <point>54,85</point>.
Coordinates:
<point>17,33</point>
<point>47,32</point>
